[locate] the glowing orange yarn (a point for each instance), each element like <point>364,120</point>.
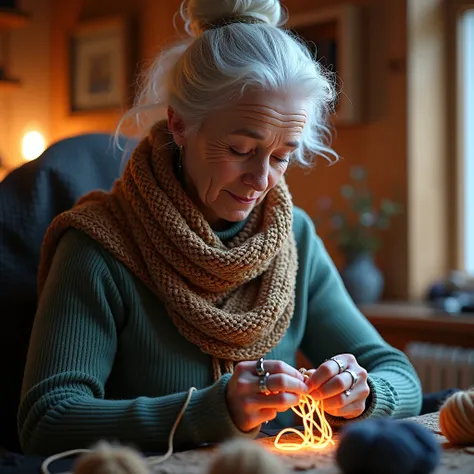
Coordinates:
<point>312,413</point>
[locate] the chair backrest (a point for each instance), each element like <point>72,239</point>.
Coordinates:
<point>30,197</point>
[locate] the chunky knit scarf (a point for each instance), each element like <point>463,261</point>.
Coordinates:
<point>234,300</point>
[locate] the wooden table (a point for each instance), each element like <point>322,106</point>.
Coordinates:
<point>400,323</point>
<point>455,460</point>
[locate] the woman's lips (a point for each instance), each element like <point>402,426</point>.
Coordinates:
<point>242,200</point>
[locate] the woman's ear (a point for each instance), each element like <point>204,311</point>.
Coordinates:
<point>176,126</point>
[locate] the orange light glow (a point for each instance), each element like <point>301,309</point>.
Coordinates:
<point>312,413</point>
<point>314,421</point>
<point>33,144</point>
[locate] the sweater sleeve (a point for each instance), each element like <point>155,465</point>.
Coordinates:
<point>336,326</point>
<point>71,354</point>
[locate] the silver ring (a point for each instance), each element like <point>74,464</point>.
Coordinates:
<point>304,373</point>
<point>339,363</point>
<point>347,393</point>
<point>262,384</point>
<point>355,379</point>
<point>260,369</point>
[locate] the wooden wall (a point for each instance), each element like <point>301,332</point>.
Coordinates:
<point>26,108</point>
<point>379,143</point>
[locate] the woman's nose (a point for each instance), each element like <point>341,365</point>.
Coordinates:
<point>257,175</point>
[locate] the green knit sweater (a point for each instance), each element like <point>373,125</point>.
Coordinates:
<point>105,360</point>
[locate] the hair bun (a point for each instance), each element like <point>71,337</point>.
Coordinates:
<point>200,15</point>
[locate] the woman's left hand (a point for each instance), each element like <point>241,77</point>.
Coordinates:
<point>342,384</point>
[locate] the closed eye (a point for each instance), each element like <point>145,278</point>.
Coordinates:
<point>237,153</point>
<point>277,158</point>
<point>281,159</point>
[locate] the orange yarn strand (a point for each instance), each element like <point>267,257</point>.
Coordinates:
<point>312,413</point>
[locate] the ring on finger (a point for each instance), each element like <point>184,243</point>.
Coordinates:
<point>355,379</point>
<point>260,369</point>
<point>304,372</point>
<point>340,364</point>
<point>262,384</point>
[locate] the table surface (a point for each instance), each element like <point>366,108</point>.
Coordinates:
<point>455,460</point>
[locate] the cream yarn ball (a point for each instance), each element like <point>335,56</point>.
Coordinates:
<point>108,459</point>
<point>243,456</point>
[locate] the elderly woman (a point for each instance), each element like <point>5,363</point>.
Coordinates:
<point>196,270</point>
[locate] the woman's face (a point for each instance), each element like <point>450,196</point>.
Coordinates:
<point>239,153</point>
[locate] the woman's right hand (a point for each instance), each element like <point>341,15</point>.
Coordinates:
<point>249,406</point>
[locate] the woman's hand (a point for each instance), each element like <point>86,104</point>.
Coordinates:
<point>344,394</point>
<point>248,403</point>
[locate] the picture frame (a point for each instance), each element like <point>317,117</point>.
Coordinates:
<point>99,65</point>
<point>333,35</point>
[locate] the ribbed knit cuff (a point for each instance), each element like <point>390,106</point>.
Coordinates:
<point>209,418</point>
<point>383,402</point>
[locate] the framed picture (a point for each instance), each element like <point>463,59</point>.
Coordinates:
<point>333,35</point>
<point>99,66</point>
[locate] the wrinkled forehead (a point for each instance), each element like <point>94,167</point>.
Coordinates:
<point>271,111</point>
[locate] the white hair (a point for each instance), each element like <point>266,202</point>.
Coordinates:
<point>216,65</point>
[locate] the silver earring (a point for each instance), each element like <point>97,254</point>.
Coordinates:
<point>180,158</point>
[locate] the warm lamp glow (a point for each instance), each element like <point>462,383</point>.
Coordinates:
<point>32,146</point>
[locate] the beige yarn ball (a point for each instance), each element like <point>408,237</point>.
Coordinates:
<point>242,456</point>
<point>108,459</point>
<point>456,417</point>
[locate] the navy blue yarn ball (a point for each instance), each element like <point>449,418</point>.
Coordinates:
<point>387,446</point>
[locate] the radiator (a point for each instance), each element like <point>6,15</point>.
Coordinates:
<point>440,367</point>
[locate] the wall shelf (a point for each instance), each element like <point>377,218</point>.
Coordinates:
<point>13,18</point>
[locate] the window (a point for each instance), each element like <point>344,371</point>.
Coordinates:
<point>466,128</point>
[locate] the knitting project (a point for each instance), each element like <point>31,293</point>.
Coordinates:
<point>311,412</point>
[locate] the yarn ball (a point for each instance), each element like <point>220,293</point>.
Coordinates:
<point>242,456</point>
<point>456,417</point>
<point>108,459</point>
<point>386,446</point>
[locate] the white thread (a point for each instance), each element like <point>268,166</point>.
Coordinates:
<point>56,457</point>
<point>154,460</point>
<point>151,461</point>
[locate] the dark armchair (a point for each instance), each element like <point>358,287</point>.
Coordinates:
<point>30,197</point>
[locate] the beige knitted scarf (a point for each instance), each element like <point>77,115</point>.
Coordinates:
<point>234,300</point>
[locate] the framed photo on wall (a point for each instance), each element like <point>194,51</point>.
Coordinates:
<point>99,65</point>
<point>333,35</point>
